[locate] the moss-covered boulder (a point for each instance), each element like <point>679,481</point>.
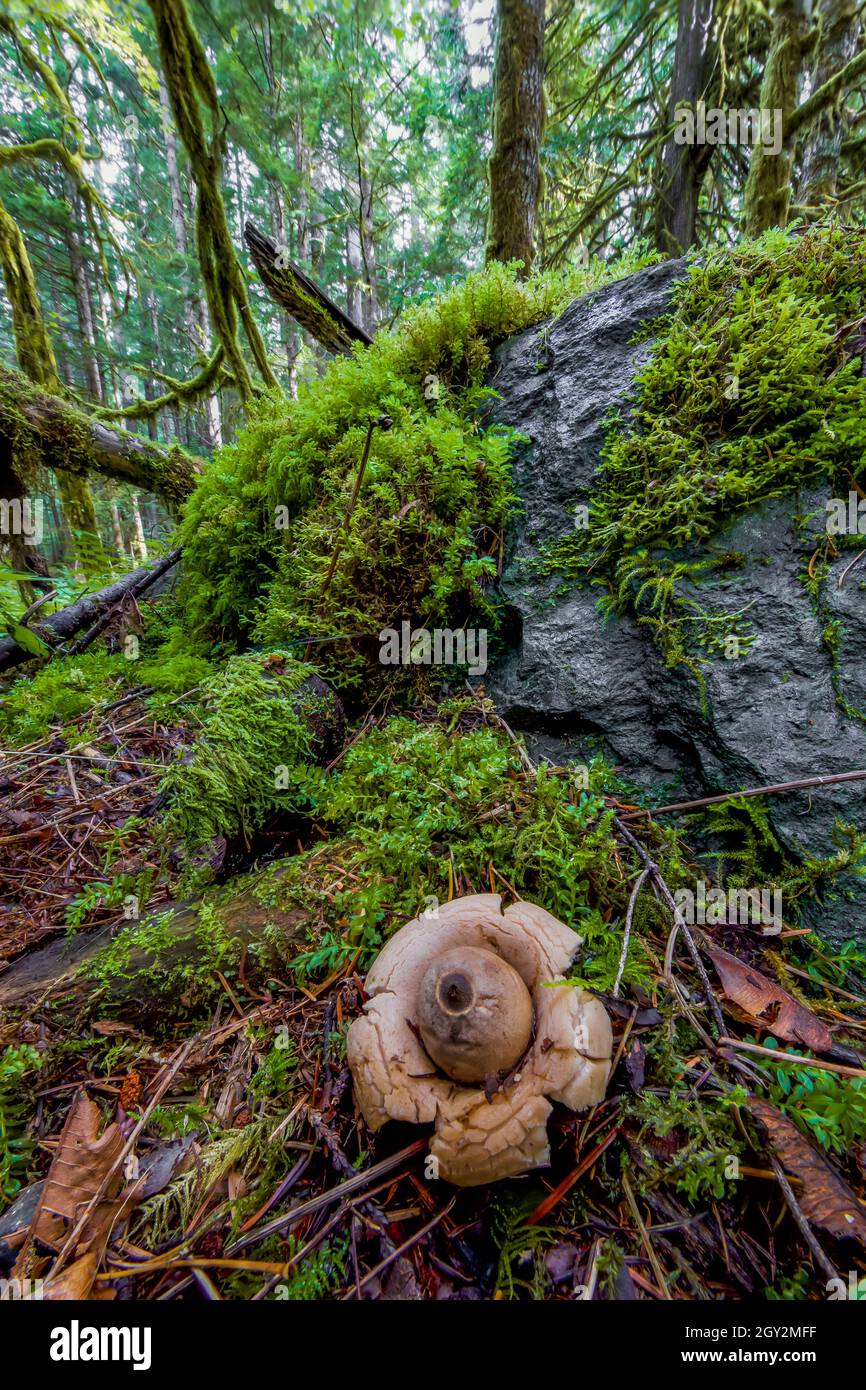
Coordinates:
<point>676,599</point>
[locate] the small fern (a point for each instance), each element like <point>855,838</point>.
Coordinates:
<point>15,1147</point>
<point>520,1246</point>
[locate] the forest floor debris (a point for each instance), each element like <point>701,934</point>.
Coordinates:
<point>240,1168</point>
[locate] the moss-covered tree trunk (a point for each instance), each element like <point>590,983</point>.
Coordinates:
<point>36,357</point>
<point>768,186</point>
<point>295,292</point>
<point>682,167</point>
<point>79,509</point>
<point>189,82</point>
<point>32,343</point>
<point>23,558</point>
<point>196,309</point>
<point>142,969</point>
<point>44,431</point>
<point>841,29</point>
<point>518,125</point>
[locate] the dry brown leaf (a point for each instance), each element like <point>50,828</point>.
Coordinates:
<point>73,1282</point>
<point>765,1001</point>
<point>79,1168</point>
<point>825,1197</point>
<point>101,1221</point>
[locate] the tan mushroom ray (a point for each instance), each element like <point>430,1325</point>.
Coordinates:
<point>479,1140</point>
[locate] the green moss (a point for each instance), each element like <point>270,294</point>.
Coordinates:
<point>250,758</point>
<point>425,537</point>
<point>751,392</point>
<point>418,813</point>
<point>145,956</point>
<point>70,686</point>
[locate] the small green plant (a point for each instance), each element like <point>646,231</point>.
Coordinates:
<point>15,1148</point>
<point>790,1287</point>
<point>827,1108</point>
<point>272,1078</point>
<point>176,1121</point>
<point>684,1140</point>
<point>317,1275</point>
<point>66,687</point>
<point>101,895</point>
<point>521,1246</point>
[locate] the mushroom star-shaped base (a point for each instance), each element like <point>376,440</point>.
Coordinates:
<point>453,1000</point>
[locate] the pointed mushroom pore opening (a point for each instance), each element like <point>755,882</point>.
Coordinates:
<point>474,1014</point>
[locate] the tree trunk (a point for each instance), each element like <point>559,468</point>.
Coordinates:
<point>683,166</point>
<point>23,557</point>
<point>178,220</point>
<point>354,271</point>
<point>768,186</point>
<point>317,223</point>
<point>59,965</point>
<point>78,507</point>
<point>88,557</point>
<point>116,527</point>
<point>36,356</point>
<point>197,322</point>
<point>288,338</point>
<point>518,125</point>
<point>150,303</point>
<point>86,328</point>
<point>140,538</point>
<point>819,160</point>
<point>370,303</point>
<point>191,86</point>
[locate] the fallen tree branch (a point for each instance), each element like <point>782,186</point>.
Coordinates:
<point>89,609</point>
<point>179,393</point>
<point>295,292</point>
<point>802,1224</point>
<point>146,580</point>
<point>679,921</point>
<point>43,431</point>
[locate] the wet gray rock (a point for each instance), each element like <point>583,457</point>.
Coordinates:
<point>575,686</point>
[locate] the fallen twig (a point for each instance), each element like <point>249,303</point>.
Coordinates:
<point>797,1212</point>
<point>802,783</point>
<point>789,1057</point>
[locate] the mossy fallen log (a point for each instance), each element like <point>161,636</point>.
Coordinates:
<point>170,954</point>
<point>43,431</point>
<point>295,292</point>
<point>93,610</point>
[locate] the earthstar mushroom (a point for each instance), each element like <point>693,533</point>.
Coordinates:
<point>452,1000</point>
